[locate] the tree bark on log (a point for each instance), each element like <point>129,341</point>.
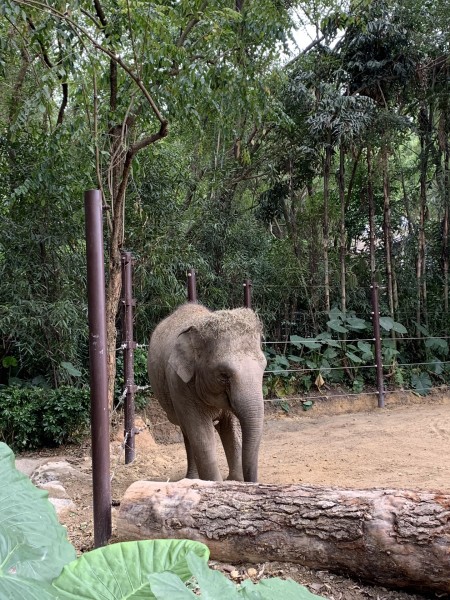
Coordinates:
<point>396,538</point>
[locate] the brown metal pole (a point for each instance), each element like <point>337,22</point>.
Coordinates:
<point>377,339</point>
<point>98,367</point>
<point>191,286</point>
<point>248,293</point>
<point>129,346</point>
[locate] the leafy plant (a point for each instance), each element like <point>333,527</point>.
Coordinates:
<point>33,545</point>
<point>31,416</point>
<point>421,383</point>
<point>123,570</point>
<point>213,585</point>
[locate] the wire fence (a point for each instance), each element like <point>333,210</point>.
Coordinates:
<point>308,348</point>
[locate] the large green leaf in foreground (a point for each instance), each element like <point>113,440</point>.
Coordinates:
<point>213,585</point>
<point>122,570</point>
<point>33,545</point>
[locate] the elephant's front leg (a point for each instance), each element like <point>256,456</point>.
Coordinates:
<point>192,471</point>
<point>202,444</point>
<point>230,434</point>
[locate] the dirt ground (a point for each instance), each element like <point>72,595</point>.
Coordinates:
<point>339,442</point>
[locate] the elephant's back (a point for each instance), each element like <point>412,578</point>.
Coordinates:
<point>165,334</point>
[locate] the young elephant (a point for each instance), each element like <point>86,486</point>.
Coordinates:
<point>206,370</point>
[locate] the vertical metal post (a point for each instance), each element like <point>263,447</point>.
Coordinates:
<point>191,286</point>
<point>129,346</point>
<point>248,293</point>
<point>377,339</point>
<point>98,367</point>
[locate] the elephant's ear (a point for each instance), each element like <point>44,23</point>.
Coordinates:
<point>182,358</point>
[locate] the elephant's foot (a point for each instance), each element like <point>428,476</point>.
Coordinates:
<point>192,474</point>
<point>235,477</point>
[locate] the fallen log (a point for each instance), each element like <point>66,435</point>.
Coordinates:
<point>396,538</point>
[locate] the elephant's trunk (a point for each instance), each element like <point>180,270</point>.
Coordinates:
<point>252,429</point>
<point>248,405</point>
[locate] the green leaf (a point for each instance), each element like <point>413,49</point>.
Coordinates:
<point>310,343</point>
<point>71,369</point>
<point>38,542</point>
<point>335,313</point>
<point>438,345</point>
<point>15,558</point>
<point>122,570</point>
<point>9,361</point>
<point>399,328</point>
<point>336,325</point>
<point>353,357</point>
<point>269,589</point>
<point>386,323</point>
<point>423,330</point>
<point>365,348</point>
<point>213,584</point>
<point>355,323</point>
<point>168,585</point>
<point>421,383</point>
<point>330,353</point>
<point>295,359</point>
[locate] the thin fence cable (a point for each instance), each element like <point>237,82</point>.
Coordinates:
<point>333,396</point>
<point>280,370</point>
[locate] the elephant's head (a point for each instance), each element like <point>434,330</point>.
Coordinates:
<point>221,356</point>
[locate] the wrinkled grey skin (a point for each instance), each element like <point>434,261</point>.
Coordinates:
<point>206,370</point>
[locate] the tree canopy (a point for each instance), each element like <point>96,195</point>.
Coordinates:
<point>220,145</point>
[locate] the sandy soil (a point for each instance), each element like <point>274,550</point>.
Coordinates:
<point>405,445</point>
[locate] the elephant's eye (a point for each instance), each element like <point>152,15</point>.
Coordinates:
<point>224,377</point>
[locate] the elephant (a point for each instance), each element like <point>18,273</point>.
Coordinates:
<point>206,370</point>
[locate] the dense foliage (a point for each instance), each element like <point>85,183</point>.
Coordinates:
<point>217,146</point>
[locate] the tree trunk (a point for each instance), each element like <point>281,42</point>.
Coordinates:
<point>371,202</point>
<point>425,117</point>
<point>343,240</point>
<point>397,538</point>
<point>326,225</point>
<point>387,230</point>
<point>446,223</point>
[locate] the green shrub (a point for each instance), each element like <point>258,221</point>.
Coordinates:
<point>31,417</point>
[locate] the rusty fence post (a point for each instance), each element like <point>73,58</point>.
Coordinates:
<point>248,293</point>
<point>128,346</point>
<point>191,286</point>
<point>377,339</point>
<point>98,367</point>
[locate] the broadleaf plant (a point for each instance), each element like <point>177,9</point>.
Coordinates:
<point>33,545</point>
<point>213,585</point>
<point>121,571</point>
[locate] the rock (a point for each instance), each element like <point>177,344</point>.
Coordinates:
<point>52,471</point>
<point>54,489</point>
<point>62,505</point>
<point>251,572</point>
<point>28,466</point>
<point>234,574</point>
